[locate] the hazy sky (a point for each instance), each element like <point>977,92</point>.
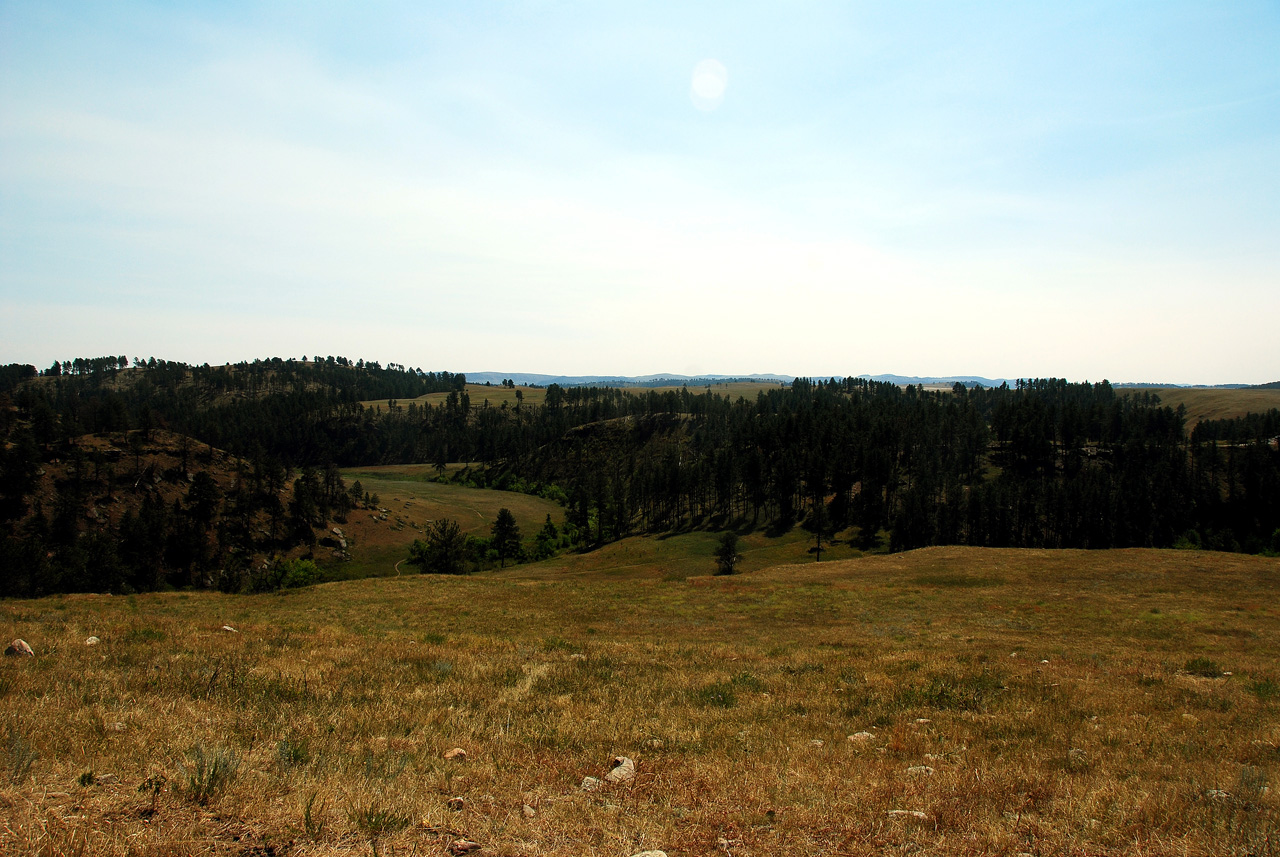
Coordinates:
<point>1083,190</point>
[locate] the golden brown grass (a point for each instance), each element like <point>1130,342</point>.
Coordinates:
<point>1067,702</point>
<point>1208,404</point>
<point>478,393</point>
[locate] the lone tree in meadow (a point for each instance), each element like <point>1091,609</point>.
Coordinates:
<point>443,551</point>
<point>506,536</point>
<point>727,555</point>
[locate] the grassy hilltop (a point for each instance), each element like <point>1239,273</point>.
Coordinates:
<point>1000,701</point>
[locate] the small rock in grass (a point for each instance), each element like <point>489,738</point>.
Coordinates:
<point>908,813</point>
<point>859,737</point>
<point>456,753</point>
<point>623,770</point>
<point>457,804</point>
<point>229,628</point>
<point>529,812</point>
<point>650,854</point>
<point>463,846</point>
<point>923,720</point>
<point>591,784</point>
<point>92,641</point>
<point>920,771</point>
<point>19,649</point>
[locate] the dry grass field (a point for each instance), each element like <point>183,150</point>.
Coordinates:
<point>999,702</point>
<point>1209,404</point>
<point>478,393</point>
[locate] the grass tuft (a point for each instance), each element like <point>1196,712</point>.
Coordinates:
<point>1203,666</point>
<point>18,757</point>
<point>208,773</point>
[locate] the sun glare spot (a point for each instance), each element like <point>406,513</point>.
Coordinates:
<point>706,89</point>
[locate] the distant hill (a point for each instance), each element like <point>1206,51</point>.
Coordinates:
<point>675,379</point>
<point>658,380</point>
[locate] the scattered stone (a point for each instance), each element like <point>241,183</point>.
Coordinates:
<point>456,753</point>
<point>463,846</point>
<point>457,804</point>
<point>1217,794</point>
<point>909,813</point>
<point>337,531</point>
<point>118,726</point>
<point>528,811</point>
<point>19,649</point>
<point>591,784</point>
<point>920,771</point>
<point>650,854</point>
<point>229,628</point>
<point>623,770</point>
<point>923,720</point>
<point>859,737</point>
<point>816,742</point>
<point>92,641</point>
<point>1044,662</point>
<point>577,656</point>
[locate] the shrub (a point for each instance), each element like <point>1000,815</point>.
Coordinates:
<point>209,773</point>
<point>1204,667</point>
<point>19,757</point>
<point>298,573</point>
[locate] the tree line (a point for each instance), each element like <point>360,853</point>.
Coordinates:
<point>1042,463</point>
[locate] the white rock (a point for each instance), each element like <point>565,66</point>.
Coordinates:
<point>529,812</point>
<point>859,737</point>
<point>92,641</point>
<point>229,628</point>
<point>816,742</point>
<point>623,770</point>
<point>920,771</point>
<point>908,813</point>
<point>650,854</point>
<point>456,753</point>
<point>590,784</point>
<point>19,649</point>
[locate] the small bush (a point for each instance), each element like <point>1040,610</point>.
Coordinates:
<point>1265,689</point>
<point>375,820</point>
<point>292,753</point>
<point>1202,666</point>
<point>19,757</point>
<point>298,573</point>
<point>718,695</point>
<point>209,773</point>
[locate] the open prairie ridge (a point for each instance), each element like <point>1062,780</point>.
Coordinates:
<point>1214,404</point>
<point>1000,702</point>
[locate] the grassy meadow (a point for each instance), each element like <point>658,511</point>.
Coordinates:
<point>380,540</point>
<point>942,701</point>
<point>1213,404</point>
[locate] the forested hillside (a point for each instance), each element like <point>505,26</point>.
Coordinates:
<point>1045,463</point>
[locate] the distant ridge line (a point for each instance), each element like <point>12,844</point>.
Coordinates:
<point>672,379</point>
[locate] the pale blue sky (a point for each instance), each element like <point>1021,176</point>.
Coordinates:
<point>1084,190</point>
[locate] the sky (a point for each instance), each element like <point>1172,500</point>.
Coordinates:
<point>1080,190</point>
